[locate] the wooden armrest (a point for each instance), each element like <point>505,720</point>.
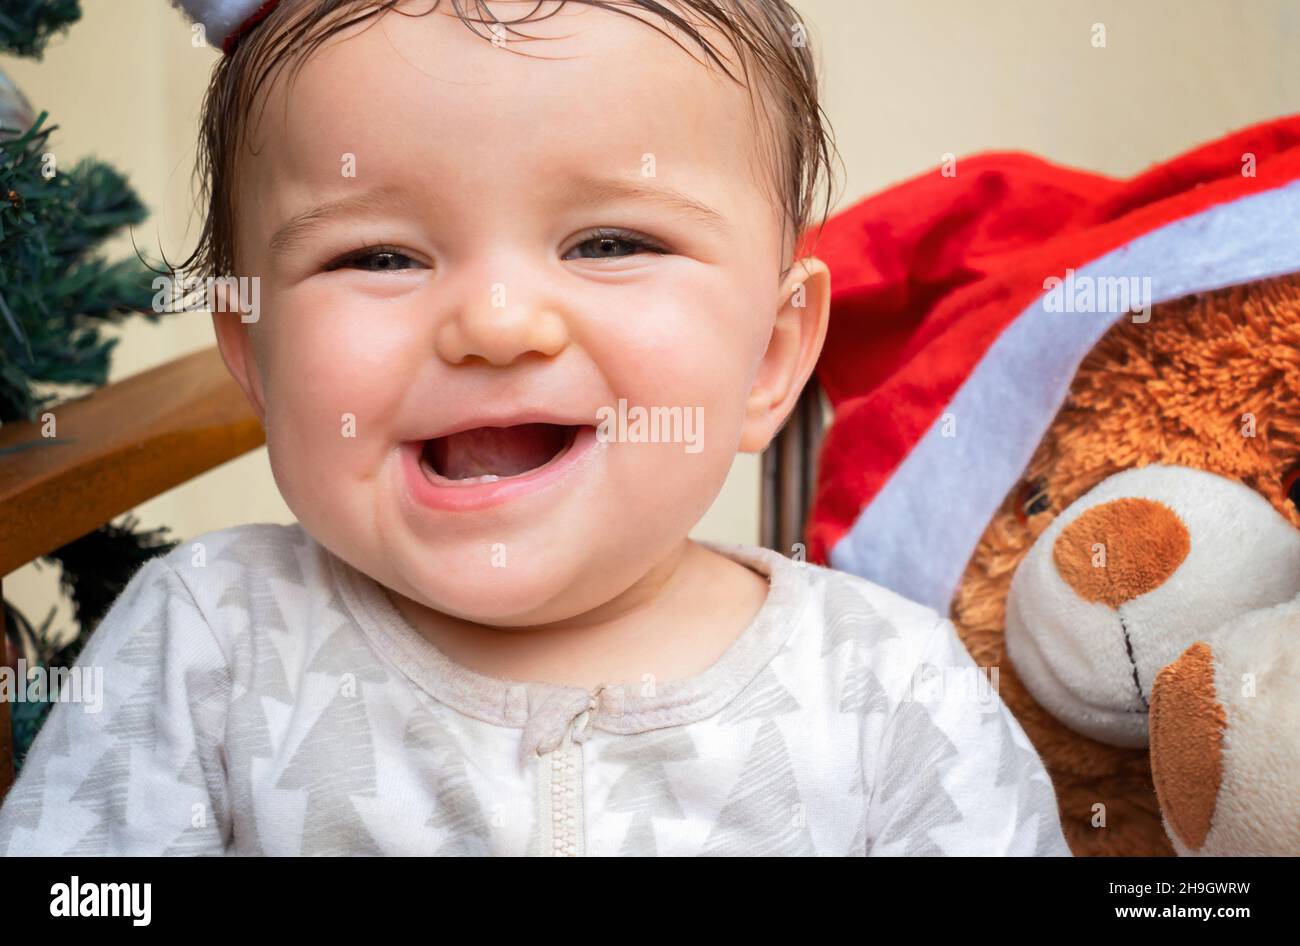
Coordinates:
<point>116,447</point>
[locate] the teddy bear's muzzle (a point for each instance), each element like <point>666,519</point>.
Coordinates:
<point>1134,572</point>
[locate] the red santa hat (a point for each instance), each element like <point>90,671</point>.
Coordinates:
<point>962,305</point>
<point>225,21</point>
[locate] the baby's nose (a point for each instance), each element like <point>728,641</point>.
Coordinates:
<point>1121,549</point>
<point>501,335</point>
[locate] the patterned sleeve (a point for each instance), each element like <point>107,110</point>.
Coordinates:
<point>129,760</point>
<point>956,774</point>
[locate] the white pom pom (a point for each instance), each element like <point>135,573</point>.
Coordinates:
<point>220,18</point>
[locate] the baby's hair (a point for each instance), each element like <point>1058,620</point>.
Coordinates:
<point>768,32</point>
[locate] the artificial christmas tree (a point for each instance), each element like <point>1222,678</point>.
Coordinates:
<point>56,293</point>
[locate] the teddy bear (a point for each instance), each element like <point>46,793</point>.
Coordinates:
<point>1067,416</point>
<point>1146,569</point>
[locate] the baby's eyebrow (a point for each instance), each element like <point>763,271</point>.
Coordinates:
<point>595,190</point>
<point>578,189</point>
<point>368,202</point>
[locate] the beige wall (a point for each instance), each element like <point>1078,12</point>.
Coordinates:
<point>906,82</point>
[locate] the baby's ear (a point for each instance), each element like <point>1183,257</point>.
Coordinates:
<point>797,336</point>
<point>235,342</point>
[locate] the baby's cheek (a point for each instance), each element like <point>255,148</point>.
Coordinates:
<point>693,360</point>
<point>331,394</point>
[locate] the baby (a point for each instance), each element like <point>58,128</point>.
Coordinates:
<point>530,277</point>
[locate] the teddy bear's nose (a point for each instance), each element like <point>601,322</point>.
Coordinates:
<point>1121,549</point>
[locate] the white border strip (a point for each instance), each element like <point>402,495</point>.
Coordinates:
<point>917,535</point>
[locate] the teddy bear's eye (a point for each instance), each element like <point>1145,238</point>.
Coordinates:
<point>1032,499</point>
<point>1291,485</point>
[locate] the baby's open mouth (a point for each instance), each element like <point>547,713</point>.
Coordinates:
<point>487,454</point>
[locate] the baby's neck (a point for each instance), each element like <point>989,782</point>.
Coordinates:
<point>673,623</point>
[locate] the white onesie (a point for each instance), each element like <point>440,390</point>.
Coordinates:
<point>264,697</point>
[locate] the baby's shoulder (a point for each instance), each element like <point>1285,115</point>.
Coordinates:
<point>857,630</point>
<point>852,608</point>
<point>841,624</point>
<point>812,593</point>
<point>253,578</point>
<point>210,605</point>
<point>249,545</point>
<point>845,596</point>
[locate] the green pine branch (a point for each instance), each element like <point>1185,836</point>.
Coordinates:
<point>54,294</point>
<point>27,26</point>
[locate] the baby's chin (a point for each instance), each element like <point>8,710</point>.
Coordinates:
<point>554,587</point>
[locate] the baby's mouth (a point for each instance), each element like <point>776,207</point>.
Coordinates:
<point>488,454</point>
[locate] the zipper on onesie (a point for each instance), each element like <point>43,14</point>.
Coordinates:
<point>560,814</point>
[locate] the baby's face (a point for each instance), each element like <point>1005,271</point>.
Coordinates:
<point>452,236</point>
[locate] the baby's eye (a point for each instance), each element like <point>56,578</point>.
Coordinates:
<point>608,244</point>
<point>375,260</point>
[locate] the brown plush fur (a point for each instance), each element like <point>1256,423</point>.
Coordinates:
<point>1171,390</point>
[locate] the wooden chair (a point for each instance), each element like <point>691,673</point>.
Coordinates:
<point>132,440</point>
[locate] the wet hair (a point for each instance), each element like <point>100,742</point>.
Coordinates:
<point>769,36</point>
